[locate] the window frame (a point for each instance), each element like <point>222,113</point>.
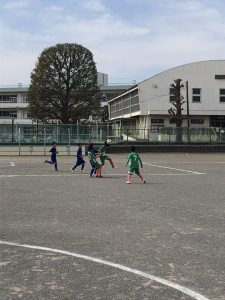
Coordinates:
<point>196,95</point>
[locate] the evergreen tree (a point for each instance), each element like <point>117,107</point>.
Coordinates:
<point>64,85</point>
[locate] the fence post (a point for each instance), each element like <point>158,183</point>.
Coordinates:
<point>19,141</point>
<point>89,134</point>
<point>44,141</point>
<point>77,132</point>
<point>68,141</point>
<point>31,149</point>
<point>107,129</point>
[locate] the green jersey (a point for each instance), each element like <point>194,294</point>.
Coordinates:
<point>103,156</point>
<point>102,150</point>
<point>93,160</point>
<point>134,160</point>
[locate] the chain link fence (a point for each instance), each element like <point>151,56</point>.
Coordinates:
<point>43,135</point>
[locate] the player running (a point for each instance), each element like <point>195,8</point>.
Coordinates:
<point>80,160</point>
<point>53,160</point>
<point>134,160</point>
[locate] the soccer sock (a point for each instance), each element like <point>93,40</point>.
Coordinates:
<point>139,175</point>
<point>111,162</point>
<point>92,171</point>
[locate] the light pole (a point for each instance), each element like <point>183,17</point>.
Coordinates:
<point>188,115</point>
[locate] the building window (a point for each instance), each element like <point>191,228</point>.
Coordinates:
<point>157,121</point>
<point>7,114</point>
<point>8,98</point>
<point>219,76</point>
<point>25,98</point>
<point>196,95</point>
<point>25,114</point>
<point>126,104</point>
<point>197,121</point>
<point>172,96</point>
<point>222,95</point>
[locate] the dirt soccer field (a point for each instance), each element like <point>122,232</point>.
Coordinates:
<point>67,236</point>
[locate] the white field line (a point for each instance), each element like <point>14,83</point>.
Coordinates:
<point>71,175</point>
<point>182,170</point>
<point>188,162</point>
<point>72,161</point>
<point>160,280</point>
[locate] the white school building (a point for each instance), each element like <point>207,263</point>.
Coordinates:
<point>146,105</point>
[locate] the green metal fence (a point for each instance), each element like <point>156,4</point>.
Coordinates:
<point>41,134</point>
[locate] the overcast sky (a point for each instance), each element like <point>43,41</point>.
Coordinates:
<point>130,39</point>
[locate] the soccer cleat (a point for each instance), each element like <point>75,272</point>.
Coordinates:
<point>72,170</point>
<point>128,182</point>
<point>82,171</point>
<point>45,161</point>
<point>144,181</point>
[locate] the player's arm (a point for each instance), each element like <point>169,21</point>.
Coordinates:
<point>128,160</point>
<point>140,161</point>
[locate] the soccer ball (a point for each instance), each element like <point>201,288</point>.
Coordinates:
<point>108,141</point>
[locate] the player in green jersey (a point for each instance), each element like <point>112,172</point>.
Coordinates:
<point>103,156</point>
<point>133,161</point>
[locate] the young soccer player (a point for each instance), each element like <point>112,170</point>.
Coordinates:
<point>80,160</point>
<point>96,167</point>
<point>104,156</point>
<point>53,160</point>
<point>134,160</point>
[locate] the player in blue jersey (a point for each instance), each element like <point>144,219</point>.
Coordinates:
<point>80,160</point>
<point>53,160</point>
<point>95,165</point>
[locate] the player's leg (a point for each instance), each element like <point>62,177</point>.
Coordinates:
<point>130,173</point>
<point>92,169</point>
<point>48,162</point>
<point>111,162</point>
<point>129,178</point>
<point>82,165</point>
<point>74,167</point>
<point>100,172</point>
<point>56,165</point>
<point>140,176</point>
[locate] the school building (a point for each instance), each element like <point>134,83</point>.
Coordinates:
<point>146,104</point>
<point>14,100</point>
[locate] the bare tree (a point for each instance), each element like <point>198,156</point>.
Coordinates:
<point>177,101</point>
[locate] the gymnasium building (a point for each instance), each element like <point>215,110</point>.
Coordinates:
<point>146,104</point>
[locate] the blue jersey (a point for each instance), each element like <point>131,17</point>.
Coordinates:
<point>79,153</point>
<point>54,152</point>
